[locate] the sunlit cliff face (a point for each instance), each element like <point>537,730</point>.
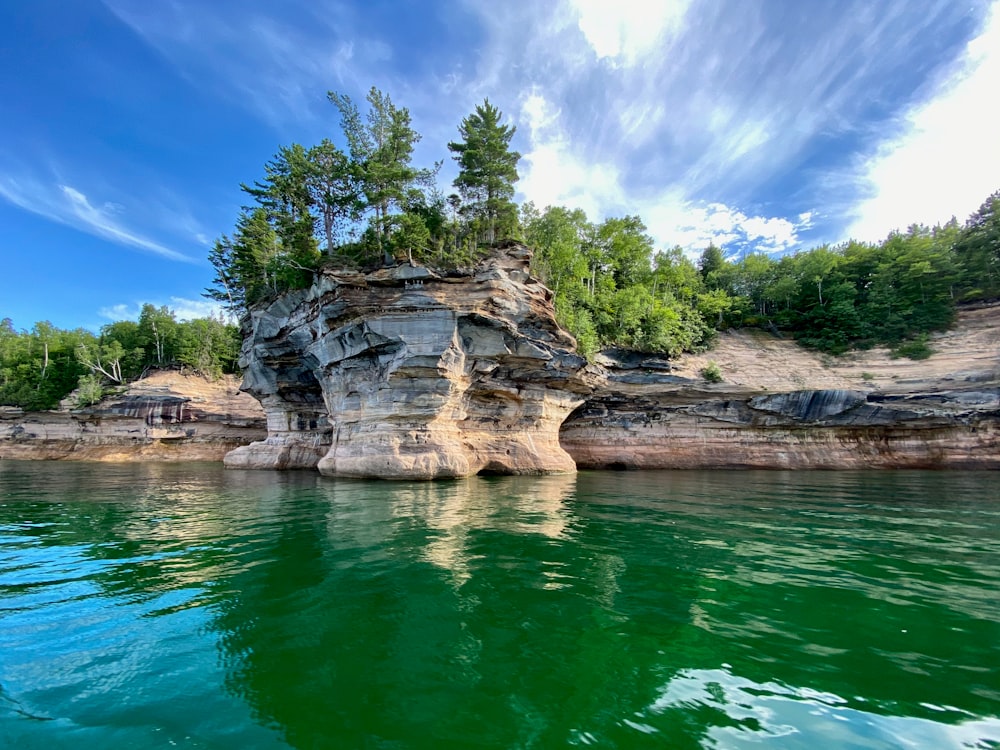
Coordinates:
<point>404,374</point>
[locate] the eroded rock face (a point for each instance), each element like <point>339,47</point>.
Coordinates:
<point>651,421</point>
<point>404,374</point>
<point>167,416</point>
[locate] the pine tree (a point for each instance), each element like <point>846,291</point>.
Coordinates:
<point>487,167</point>
<point>381,147</point>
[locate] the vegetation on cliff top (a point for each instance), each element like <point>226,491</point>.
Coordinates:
<point>40,367</point>
<point>370,205</point>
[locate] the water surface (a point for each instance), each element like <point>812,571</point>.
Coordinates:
<point>187,606</point>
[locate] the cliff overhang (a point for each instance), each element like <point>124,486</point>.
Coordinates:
<point>407,373</point>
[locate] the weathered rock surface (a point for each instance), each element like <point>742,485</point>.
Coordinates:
<point>405,374</point>
<point>168,416</point>
<point>785,407</point>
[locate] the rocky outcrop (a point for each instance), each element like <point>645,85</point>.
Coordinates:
<point>407,373</point>
<point>403,373</point>
<point>784,407</point>
<point>168,416</point>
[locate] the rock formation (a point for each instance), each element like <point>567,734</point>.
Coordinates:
<point>403,373</point>
<point>168,416</point>
<point>785,407</point>
<point>406,374</point>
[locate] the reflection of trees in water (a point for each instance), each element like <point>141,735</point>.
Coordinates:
<point>507,611</point>
<point>481,611</point>
<point>856,583</point>
<point>144,529</point>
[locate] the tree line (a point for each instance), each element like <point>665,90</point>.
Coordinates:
<point>41,366</point>
<point>368,205</point>
<point>612,288</point>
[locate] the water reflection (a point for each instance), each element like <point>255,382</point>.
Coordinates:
<point>740,713</point>
<point>147,604</point>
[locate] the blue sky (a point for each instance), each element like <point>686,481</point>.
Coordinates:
<point>128,125</point>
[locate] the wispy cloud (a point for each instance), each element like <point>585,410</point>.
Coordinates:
<point>948,160</point>
<point>65,204</point>
<point>555,174</point>
<point>671,110</point>
<point>700,104</point>
<point>278,66</point>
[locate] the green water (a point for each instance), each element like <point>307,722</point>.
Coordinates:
<point>167,606</point>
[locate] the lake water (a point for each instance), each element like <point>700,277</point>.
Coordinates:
<point>162,606</point>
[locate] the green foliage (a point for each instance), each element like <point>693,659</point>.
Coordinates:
<point>977,249</point>
<point>607,291</point>
<point>89,390</point>
<point>711,372</point>
<point>208,346</point>
<point>487,170</point>
<point>917,348</point>
<point>381,148</point>
<point>711,265</point>
<point>40,367</point>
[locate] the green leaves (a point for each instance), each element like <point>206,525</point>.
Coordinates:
<point>381,148</point>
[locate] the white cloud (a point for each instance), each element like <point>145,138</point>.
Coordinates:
<point>183,309</point>
<point>555,173</point>
<point>67,205</point>
<point>948,160</point>
<point>627,30</point>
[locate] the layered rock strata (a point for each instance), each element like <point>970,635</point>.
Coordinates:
<point>784,407</point>
<point>406,374</point>
<point>680,425</point>
<point>168,416</point>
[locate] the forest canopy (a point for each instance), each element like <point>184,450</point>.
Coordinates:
<point>41,366</point>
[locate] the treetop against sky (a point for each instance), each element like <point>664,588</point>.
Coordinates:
<point>129,126</point>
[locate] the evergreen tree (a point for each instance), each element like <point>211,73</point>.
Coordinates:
<point>711,265</point>
<point>487,168</point>
<point>978,248</point>
<point>381,147</point>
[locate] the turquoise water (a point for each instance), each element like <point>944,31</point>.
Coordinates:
<point>186,606</point>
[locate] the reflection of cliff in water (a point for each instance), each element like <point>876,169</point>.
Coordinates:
<point>614,609</point>
<point>436,614</point>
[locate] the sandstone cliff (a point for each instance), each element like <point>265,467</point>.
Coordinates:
<point>403,373</point>
<point>168,416</point>
<point>782,406</point>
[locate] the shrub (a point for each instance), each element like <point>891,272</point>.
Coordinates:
<point>916,349</point>
<point>711,372</point>
<point>89,391</point>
